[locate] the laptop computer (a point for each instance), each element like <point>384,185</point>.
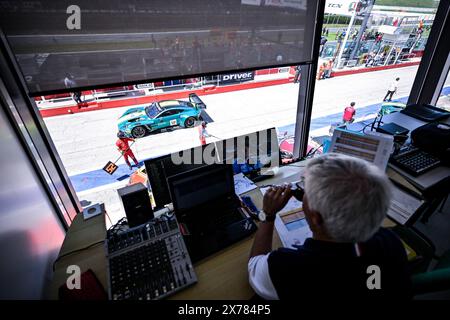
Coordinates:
<point>208,210</point>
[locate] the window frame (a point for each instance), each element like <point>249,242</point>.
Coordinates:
<point>428,78</point>
<point>32,132</point>
<point>442,79</point>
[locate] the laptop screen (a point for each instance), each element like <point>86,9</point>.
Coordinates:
<point>199,186</point>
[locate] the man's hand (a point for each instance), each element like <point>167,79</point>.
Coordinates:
<point>276,198</point>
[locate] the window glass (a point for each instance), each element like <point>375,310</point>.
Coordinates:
<point>65,44</point>
<point>232,105</point>
<point>168,113</point>
<point>152,110</point>
<point>370,57</point>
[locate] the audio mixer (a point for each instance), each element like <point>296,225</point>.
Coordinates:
<point>148,262</point>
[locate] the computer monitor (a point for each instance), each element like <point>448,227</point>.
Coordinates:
<point>160,168</point>
<point>156,179</point>
<point>191,189</point>
<point>252,154</point>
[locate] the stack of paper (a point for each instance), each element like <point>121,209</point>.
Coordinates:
<point>403,206</point>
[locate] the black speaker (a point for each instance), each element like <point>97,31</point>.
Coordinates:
<point>136,203</point>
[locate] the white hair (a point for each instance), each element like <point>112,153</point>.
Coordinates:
<point>351,195</point>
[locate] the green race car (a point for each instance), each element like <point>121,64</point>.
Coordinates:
<point>140,121</point>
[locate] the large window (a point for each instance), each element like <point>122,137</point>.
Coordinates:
<point>105,42</point>
<point>231,105</point>
<point>96,67</point>
<point>363,53</point>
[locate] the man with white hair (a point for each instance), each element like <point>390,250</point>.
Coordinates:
<point>349,255</point>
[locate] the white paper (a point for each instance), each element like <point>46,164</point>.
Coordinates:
<point>294,237</point>
<point>374,147</point>
<point>403,205</point>
<point>242,184</point>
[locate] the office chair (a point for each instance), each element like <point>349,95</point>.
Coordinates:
<point>432,207</point>
<point>424,249</point>
<point>435,280</point>
<point>424,281</point>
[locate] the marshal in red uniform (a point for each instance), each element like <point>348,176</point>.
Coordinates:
<point>124,148</point>
<point>349,113</point>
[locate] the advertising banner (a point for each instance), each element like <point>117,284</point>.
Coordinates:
<point>236,77</point>
<point>346,7</point>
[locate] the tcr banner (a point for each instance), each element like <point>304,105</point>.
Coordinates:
<point>346,7</point>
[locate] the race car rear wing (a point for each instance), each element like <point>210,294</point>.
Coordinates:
<point>195,99</point>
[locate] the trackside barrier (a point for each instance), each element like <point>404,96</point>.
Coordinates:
<point>130,101</point>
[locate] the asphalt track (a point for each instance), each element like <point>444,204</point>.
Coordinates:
<point>97,178</point>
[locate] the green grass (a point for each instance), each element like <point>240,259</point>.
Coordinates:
<point>335,25</point>
<point>331,36</point>
<point>407,3</point>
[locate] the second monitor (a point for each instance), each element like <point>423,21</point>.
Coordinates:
<point>254,155</point>
<point>161,168</point>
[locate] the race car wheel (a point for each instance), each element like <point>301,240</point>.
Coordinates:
<point>189,122</point>
<point>139,132</point>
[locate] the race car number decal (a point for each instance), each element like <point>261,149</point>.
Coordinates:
<point>173,122</point>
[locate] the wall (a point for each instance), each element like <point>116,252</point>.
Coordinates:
<point>30,231</point>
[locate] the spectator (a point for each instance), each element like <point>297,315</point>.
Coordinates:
<point>328,69</point>
<point>338,33</point>
<point>321,71</point>
<point>370,59</point>
<point>323,41</point>
<point>379,37</point>
<point>70,83</point>
<point>298,70</point>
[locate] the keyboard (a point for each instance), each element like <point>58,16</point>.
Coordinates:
<point>415,161</point>
<point>148,262</point>
<point>425,112</point>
